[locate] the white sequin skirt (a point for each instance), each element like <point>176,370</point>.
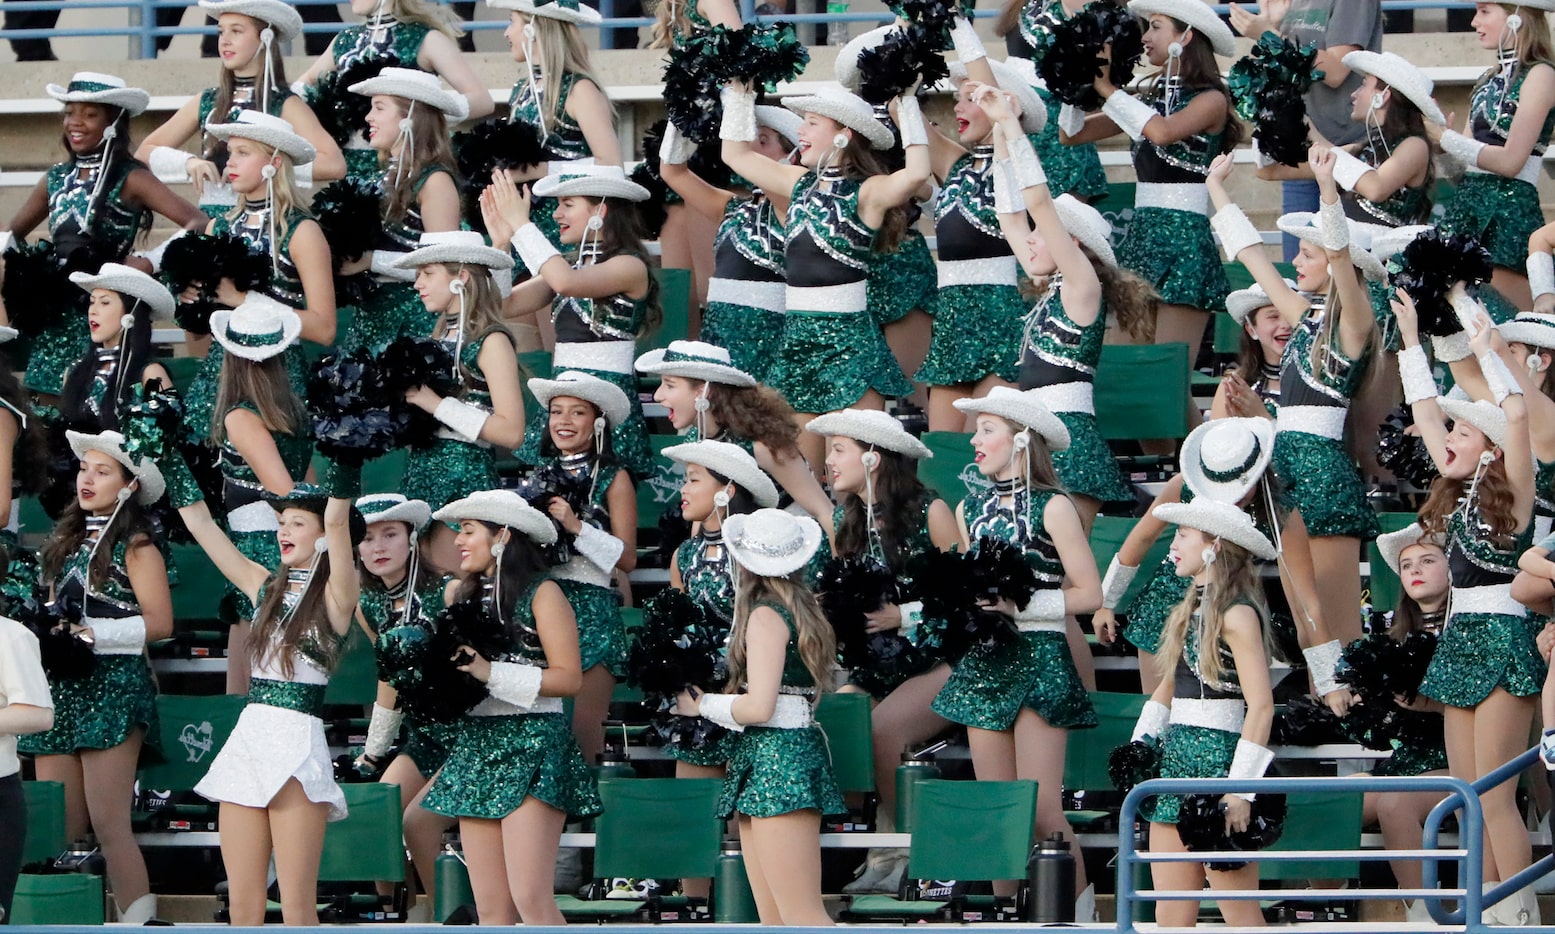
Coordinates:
<point>269,747</point>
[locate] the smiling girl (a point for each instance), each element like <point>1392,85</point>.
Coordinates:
<point>1252,389</point>
<point>124,302</point>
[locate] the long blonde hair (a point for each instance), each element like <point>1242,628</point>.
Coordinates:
<point>1328,333</point>
<point>431,15</point>
<point>817,641</point>
<point>1233,579</point>
<point>1533,37</point>
<point>483,308</point>
<point>671,18</point>
<point>559,50</point>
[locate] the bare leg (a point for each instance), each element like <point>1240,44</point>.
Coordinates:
<point>1336,561</point>
<point>297,832</point>
<point>697,888</point>
<point>791,841</point>
<point>424,838</point>
<point>686,238</point>
<point>908,339</point>
<point>67,771</point>
<point>1149,676</point>
<point>1039,755</point>
<point>1299,578</point>
<point>589,708</point>
<point>1174,877</point>
<point>903,719</point>
<point>483,854</point>
<point>245,852</point>
<point>109,783</point>
<point>993,760</point>
<point>1458,729</point>
<point>755,871</point>
<point>1513,285</point>
<point>1500,733</point>
<point>531,836</point>
<point>237,658</point>
<point>813,446</point>
<point>402,773</point>
<point>943,414</point>
<point>1238,913</point>
<point>1402,819</point>
<point>1179,324</point>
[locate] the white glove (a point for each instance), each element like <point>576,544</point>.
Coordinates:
<point>969,48</point>
<point>1071,119</point>
<point>675,149</point>
<point>1415,373</point>
<point>533,247</point>
<point>1250,761</point>
<point>1129,113</point>
<point>1235,231</point>
<point>601,548</point>
<point>1116,582</point>
<point>1333,225</point>
<point>739,122</point>
<point>1465,149</point>
<point>1541,273</point>
<point>1348,170</point>
<point>719,708</point>
<point>1321,662</point>
<point>127,633</point>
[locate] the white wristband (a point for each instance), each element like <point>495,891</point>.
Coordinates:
<point>169,165</point>
<point>1498,378</point>
<point>1333,225</point>
<point>1235,231</point>
<point>302,175</point>
<point>5,240</point>
<point>1415,373</point>
<point>1116,582</point>
<point>1466,308</point>
<point>909,122</point>
<point>1129,113</point>
<point>1045,606</point>
<point>126,633</point>
<point>1152,722</point>
<point>382,730</point>
<point>1321,662</point>
<point>1259,158</point>
<point>1250,761</point>
<point>514,683</point>
<point>1023,159</point>
<point>1465,149</point>
<point>300,88</point>
<point>912,616</point>
<point>601,548</point>
<point>969,48</point>
<point>533,247</point>
<point>1452,348</point>
<point>464,419</point>
<point>1348,170</point>
<point>739,122</point>
<point>1541,273</point>
<point>1005,200</point>
<point>1071,119</point>
<point>719,708</point>
<point>383,266</point>
<point>675,148</point>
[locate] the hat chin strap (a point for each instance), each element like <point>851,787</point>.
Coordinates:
<point>412,570</point>
<point>128,326</point>
<point>126,493</point>
<point>110,133</point>
<point>531,34</point>
<point>405,145</point>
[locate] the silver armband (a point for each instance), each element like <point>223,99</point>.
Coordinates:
<point>1116,582</point>
<point>1541,273</point>
<point>675,149</point>
<point>969,47</point>
<point>1129,113</point>
<point>514,683</point>
<point>1250,761</point>
<point>169,165</point>
<point>1322,660</point>
<point>464,419</point>
<point>1024,161</point>
<point>601,548</point>
<point>1152,722</point>
<point>1465,149</point>
<point>909,122</point>
<point>719,708</point>
<point>1333,225</point>
<point>1348,170</point>
<point>1005,200</point>
<point>382,730</point>
<point>739,122</point>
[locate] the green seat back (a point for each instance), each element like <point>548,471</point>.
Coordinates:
<point>66,898</point>
<point>197,595</point>
<point>1107,536</point>
<point>193,731</point>
<point>675,300</point>
<point>1329,820</point>
<point>950,473</point>
<point>1085,759</point>
<point>844,718</point>
<point>355,678</point>
<point>658,828</point>
<point>532,364</point>
<point>1383,588</point>
<point>1142,392</point>
<point>45,821</point>
<point>971,830</point>
<point>383,474</point>
<point>1228,335</point>
<point>663,488</point>
<point>367,845</point>
<point>32,519</point>
<point>1118,208</point>
<point>182,370</point>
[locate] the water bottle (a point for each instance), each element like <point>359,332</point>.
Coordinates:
<point>1050,882</point>
<point>452,888</point>
<point>836,31</point>
<point>915,767</point>
<point>733,902</point>
<point>612,764</point>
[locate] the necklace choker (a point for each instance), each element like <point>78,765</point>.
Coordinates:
<point>398,591</point>
<point>1269,371</point>
<point>1006,487</point>
<point>832,173</point>
<point>712,536</point>
<point>95,524</point>
<point>297,576</point>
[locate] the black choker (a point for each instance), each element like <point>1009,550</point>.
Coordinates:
<point>1006,487</point>
<point>832,173</point>
<point>398,591</point>
<point>95,524</point>
<point>982,151</point>
<point>298,575</point>
<point>1269,371</point>
<point>712,536</point>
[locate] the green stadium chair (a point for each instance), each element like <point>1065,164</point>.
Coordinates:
<point>675,300</point>
<point>1107,536</point>
<point>1383,588</point>
<point>198,594</point>
<point>967,831</point>
<point>45,821</point>
<point>1118,208</point>
<point>950,473</point>
<point>1228,336</point>
<point>193,732</point>
<point>663,488</point>
<point>31,518</point>
<point>354,681</point>
<point>1142,391</point>
<point>182,370</point>
<point>533,364</point>
<point>1240,278</point>
<point>844,718</point>
<point>1318,821</point>
<point>383,474</point>
<point>632,619</point>
<point>64,898</point>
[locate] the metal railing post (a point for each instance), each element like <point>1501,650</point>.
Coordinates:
<point>148,25</point>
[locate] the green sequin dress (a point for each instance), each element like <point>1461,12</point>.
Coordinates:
<point>1156,600</point>
<point>902,280</point>
<point>989,687</point>
<point>978,321</point>
<point>561,137</point>
<point>452,468</point>
<point>217,200</point>
<point>426,742</point>
<point>832,351</point>
<point>745,301</point>
<point>251,522</point>
<point>100,710</point>
<point>1172,248</point>
<point>393,308</point>
<point>590,588</point>
<point>1074,169</point>
<point>503,755</point>
<point>381,38</point>
<point>707,579</point>
<point>1501,212</point>
<point>775,771</point>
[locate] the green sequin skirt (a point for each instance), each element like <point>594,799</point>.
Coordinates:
<point>100,710</point>
<point>773,772</point>
<point>1087,467</point>
<point>1319,478</point>
<point>1152,605</point>
<point>988,688</point>
<point>751,335</point>
<point>902,280</point>
<point>1410,760</point>
<point>1189,752</point>
<point>1175,252</point>
<point>601,633</point>
<point>1076,169</point>
<point>448,470</point>
<point>53,351</point>
<point>828,361</point>
<point>977,333</point>
<point>1480,652</point>
<point>1502,212</point>
<point>716,752</point>
<point>628,440</point>
<point>497,762</point>
<point>428,744</point>
<point>393,309</point>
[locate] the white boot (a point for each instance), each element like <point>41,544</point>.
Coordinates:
<point>882,872</point>
<point>1085,906</point>
<point>141,910</point>
<point>1519,909</point>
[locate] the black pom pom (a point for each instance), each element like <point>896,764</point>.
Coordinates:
<point>1073,57</point>
<point>63,654</point>
<point>37,291</point>
<point>848,587</point>
<point>907,57</point>
<point>955,590</point>
<point>1427,269</point>
<point>691,93</point>
<point>1202,826</point>
<point>675,648</point>
<point>762,55</point>
<point>1414,657</point>
<point>352,408</point>
<point>1267,87</point>
<point>342,112</point>
<point>1305,722</point>
<point>442,693</point>
<point>349,211</point>
<point>654,211</point>
<point>417,361</point>
<point>488,146</point>
<point>1132,763</point>
<point>937,17</point>
<point>1403,454</point>
<point>1365,663</point>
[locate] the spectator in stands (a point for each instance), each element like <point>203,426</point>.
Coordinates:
<point>253,77</point>
<point>782,657</point>
<point>515,773</point>
<point>38,48</point>
<point>25,707</point>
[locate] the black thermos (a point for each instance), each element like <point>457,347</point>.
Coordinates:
<point>1050,882</point>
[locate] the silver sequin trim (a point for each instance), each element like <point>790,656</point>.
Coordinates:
<point>1179,196</point>
<point>1492,598</point>
<point>607,356</point>
<point>491,707</point>
<point>583,571</point>
<point>993,270</point>
<point>768,296</point>
<point>848,298</point>
<point>1325,421</point>
<point>1040,625</point>
<point>1068,397</point>
<point>1210,713</point>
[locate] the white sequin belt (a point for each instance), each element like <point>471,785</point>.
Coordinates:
<point>255,517</point>
<point>1528,173</point>
<point>990,270</point>
<point>1325,421</point>
<point>491,707</point>
<point>1068,397</point>
<point>768,296</point>
<point>583,571</point>
<point>1491,598</point>
<point>605,356</point>
<point>1225,713</point>
<point>1040,625</point>
<point>792,712</point>
<point>847,298</point>
<point>1173,196</point>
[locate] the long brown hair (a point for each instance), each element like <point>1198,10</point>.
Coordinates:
<point>520,563</point>
<point>1403,120</point>
<point>431,147</point>
<point>1129,299</point>
<point>308,622</point>
<point>264,384</point>
<point>623,234</point>
<point>862,162</point>
<point>1199,71</point>
<point>1328,333</point>
<point>425,572</point>
<point>757,412</point>
<point>817,641</point>
<point>1233,579</point>
<point>900,499</point>
<point>1408,617</point>
<point>130,525</point>
<point>272,71</point>
<point>1038,464</point>
<point>1495,503</point>
<point>483,309</point>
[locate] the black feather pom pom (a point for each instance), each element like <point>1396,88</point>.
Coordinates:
<point>417,361</point>
<point>691,93</point>
<point>1427,269</point>
<point>1132,763</point>
<point>1304,721</point>
<point>1365,663</point>
<point>352,408</point>
<point>1267,87</point>
<point>956,588</point>
<point>37,291</point>
<point>443,693</point>
<point>1073,59</point>
<point>490,145</point>
<point>938,17</point>
<point>763,55</point>
<point>403,654</point>
<point>675,648</point>
<point>349,211</point>
<point>1202,826</point>
<point>907,57</point>
<point>1404,454</point>
<point>848,587</point>
<point>64,655</point>
<point>1414,657</point>
<point>342,112</point>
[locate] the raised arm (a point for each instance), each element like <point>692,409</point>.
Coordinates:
<point>1419,385</point>
<point>707,200</point>
<point>245,575</point>
<point>345,584</point>
<point>1357,322</point>
<point>1240,241</point>
<point>617,275</point>
<point>329,163</point>
<point>1516,450</point>
<point>738,132</point>
<point>880,193</point>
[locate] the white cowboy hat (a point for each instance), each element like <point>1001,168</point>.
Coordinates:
<point>1387,242</point>
<point>132,282</point>
<point>1531,328</point>
<point>1243,302</point>
<point>781,121</point>
<point>1033,113</point>
<point>607,396</point>
<point>1391,545</point>
<point>1303,226</point>
<point>258,329</point>
<point>501,507</point>
<point>415,85</point>
<point>1402,76</point>
<point>568,11</point>
<point>1222,520</point>
<point>870,427</point>
<point>1086,225</point>
<point>846,108</point>
<point>454,246</point>
<point>1482,414</point>
<point>1023,407</point>
<point>111,443</point>
<point>730,461</point>
<point>274,132</point>
<point>8,334</point>
<point>694,360</point>
<point>568,179</point>
<point>90,87</point>
<point>394,507</point>
<point>1224,459</point>
<point>771,542</point>
<point>846,68</point>
<point>282,18</point>
<point>1200,16</point>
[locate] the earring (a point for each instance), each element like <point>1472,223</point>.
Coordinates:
<point>1486,458</point>
<point>456,287</point>
<point>1377,100</point>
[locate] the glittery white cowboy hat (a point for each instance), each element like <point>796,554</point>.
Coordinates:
<point>771,542</point>
<point>504,508</point>
<point>1224,459</point>
<point>1086,225</point>
<point>90,87</point>
<point>455,246</point>
<point>117,277</point>
<point>733,463</point>
<point>111,443</point>
<point>258,329</point>
<point>607,396</point>
<point>870,427</point>
<point>1400,74</point>
<point>846,67</point>
<point>1531,328</point>
<point>1221,520</point>
<point>394,507</point>
<point>1482,414</point>
<point>694,360</point>
<point>274,132</point>
<point>8,334</point>
<point>569,179</point>
<point>1033,113</point>
<point>846,108</point>
<point>781,121</point>
<point>1200,16</point>
<point>1243,302</point>
<point>1387,242</point>
<point>415,85</point>
<point>1023,407</point>
<point>1304,226</point>
<point>282,18</point>
<point>568,11</point>
<point>1391,545</point>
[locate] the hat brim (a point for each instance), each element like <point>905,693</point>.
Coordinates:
<point>8,334</point>
<point>1226,491</point>
<point>846,67</point>
<point>413,512</point>
<point>653,363</point>
<point>145,288</point>
<point>291,329</point>
<point>1196,13</point>
<point>1028,412</point>
<point>1391,545</point>
<point>1398,79</point>
<point>1086,224</point>
<point>769,565</point>
<point>147,474</point>
<point>608,397</point>
<point>1033,112</point>
<point>1488,418</point>
<point>1535,330</point>
<point>860,121</point>
<point>584,16</point>
<point>589,186</point>
<point>851,423</point>
<point>1220,520</point>
<point>469,255</point>
<point>1241,304</point>
<point>282,18</point>
<point>451,104</point>
<point>507,511</point>
<point>298,149</point>
<point>781,121</point>
<point>742,472</point>
<point>1300,224</point>
<point>132,101</point>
